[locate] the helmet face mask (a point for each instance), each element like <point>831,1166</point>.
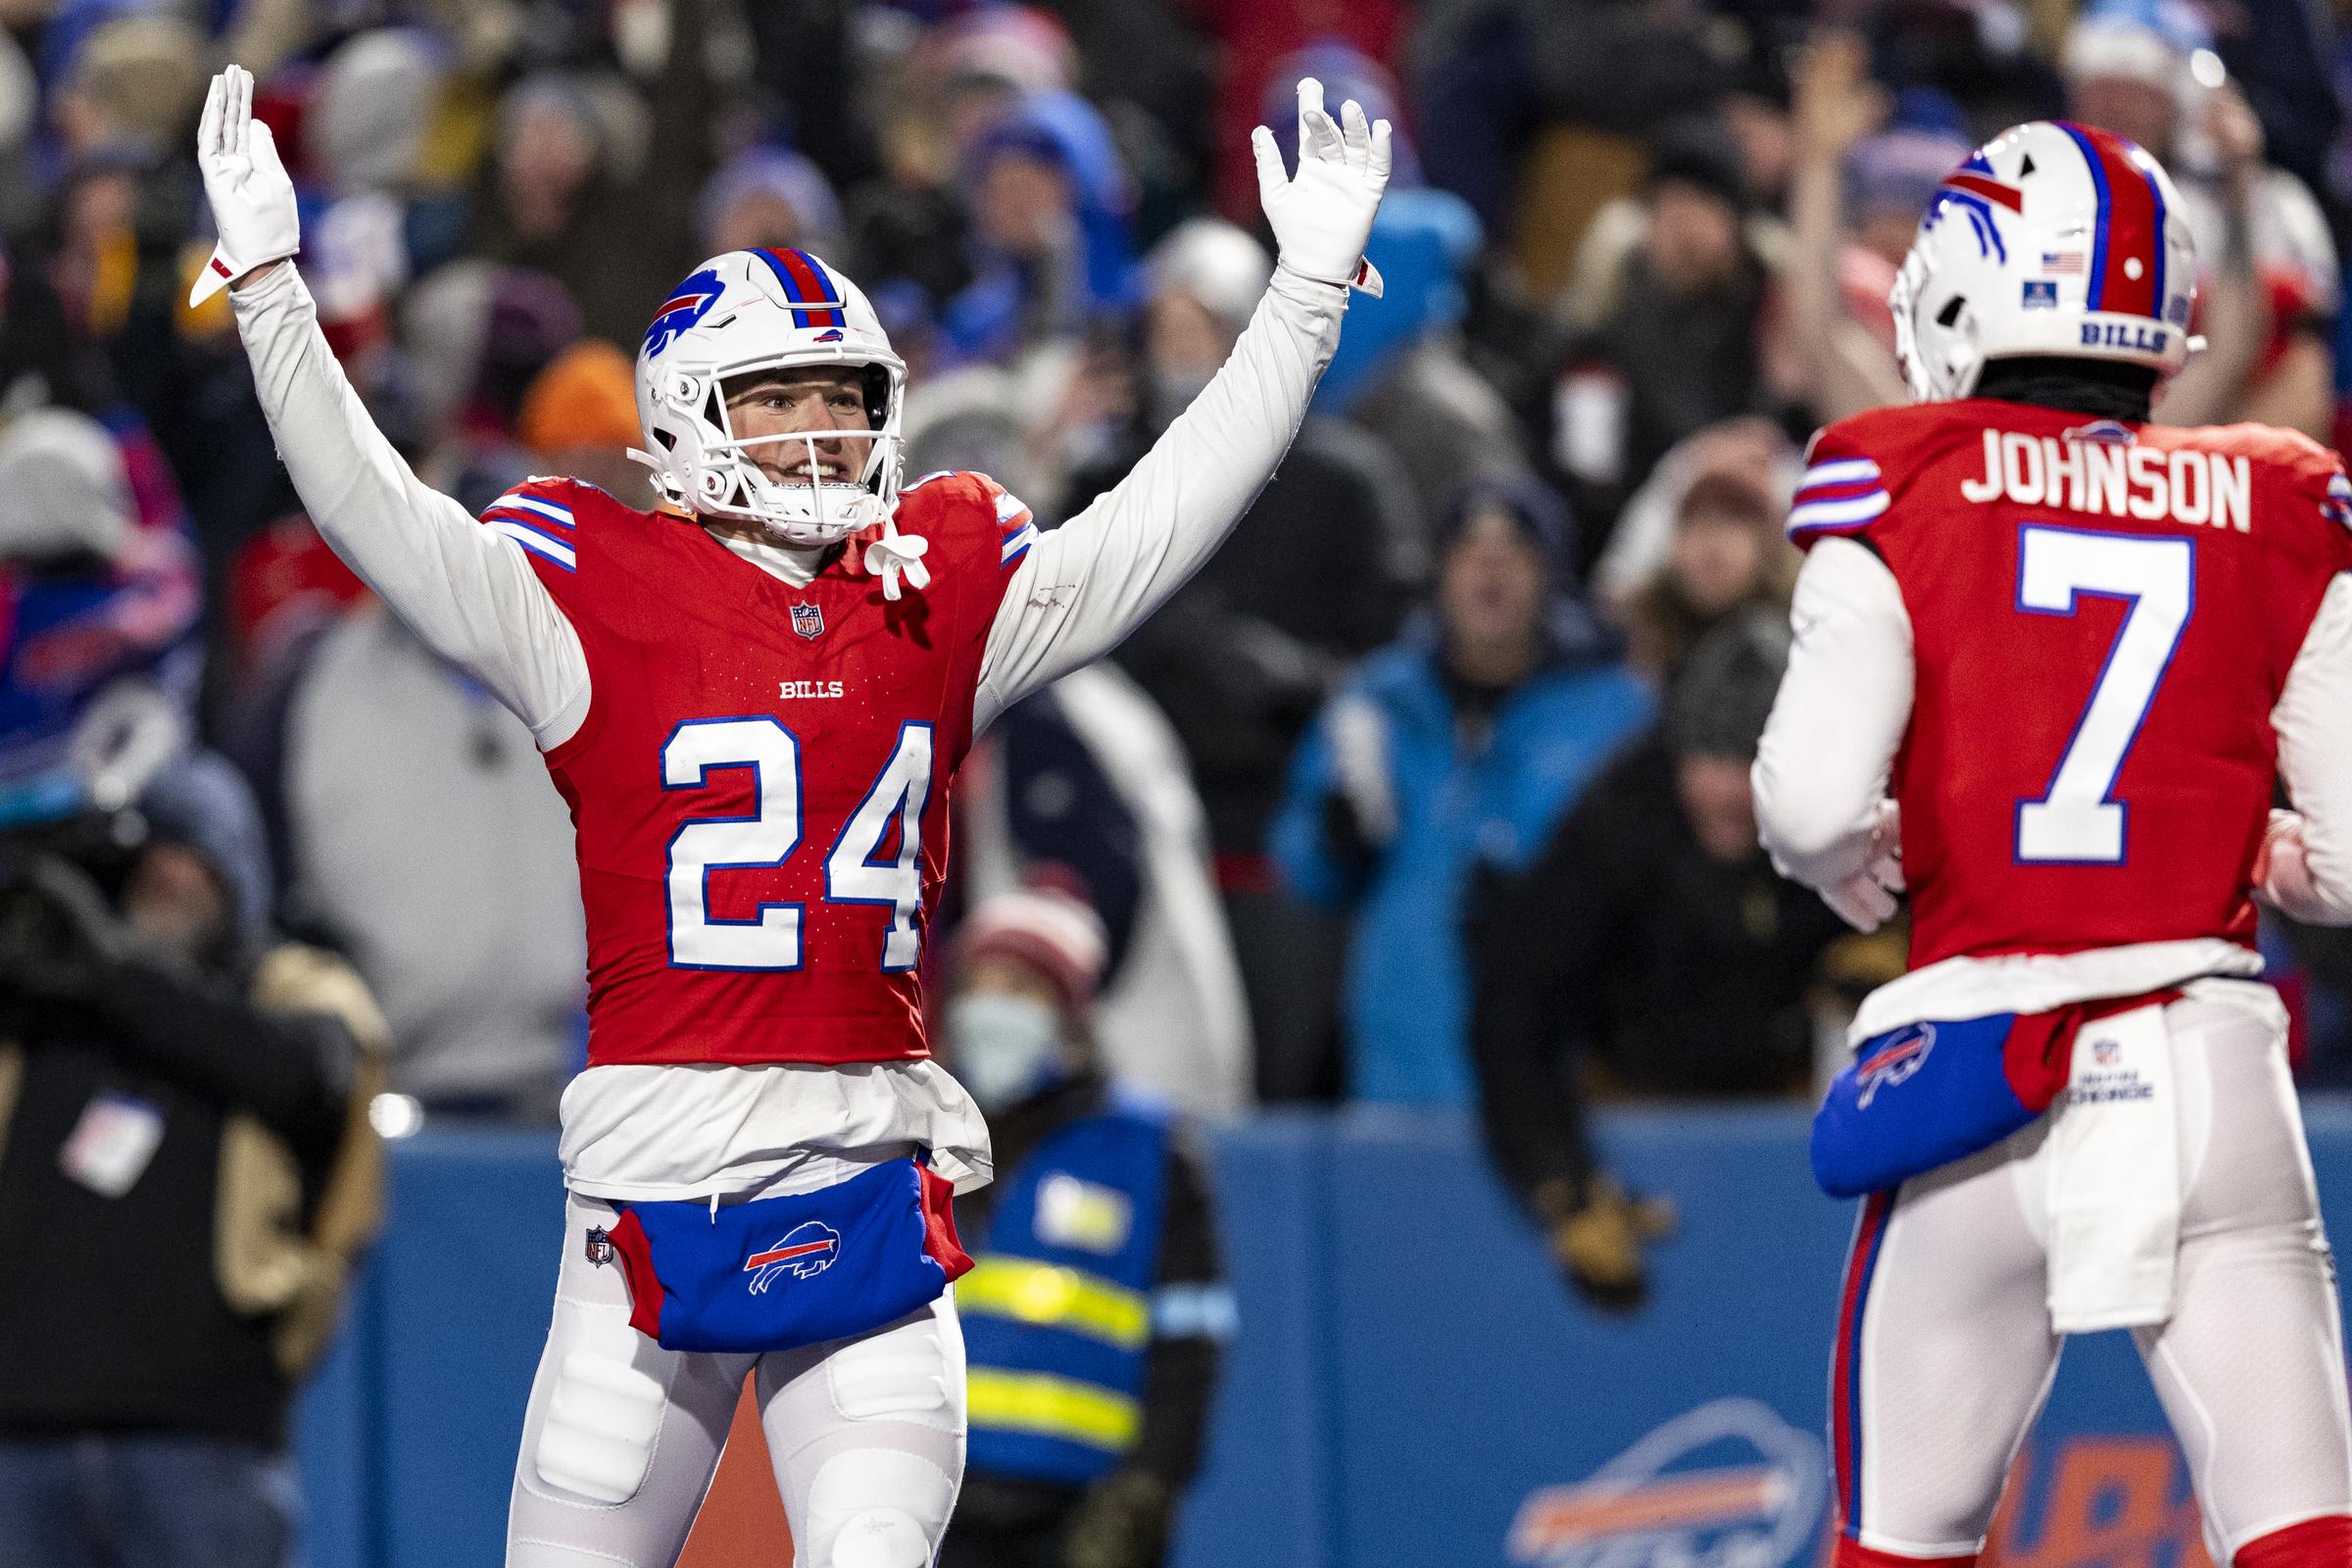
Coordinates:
<point>736,317</point>
<point>2052,240</point>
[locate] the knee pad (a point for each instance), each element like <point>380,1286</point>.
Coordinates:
<point>881,1538</point>
<point>877,1508</point>
<point>897,1376</point>
<point>2314,1544</point>
<point>604,1412</point>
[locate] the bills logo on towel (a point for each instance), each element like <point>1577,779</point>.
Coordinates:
<point>806,1252</point>
<point>1974,1081</point>
<point>1893,1059</point>
<point>776,1273</point>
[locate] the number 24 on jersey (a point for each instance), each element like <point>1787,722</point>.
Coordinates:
<point>856,869</point>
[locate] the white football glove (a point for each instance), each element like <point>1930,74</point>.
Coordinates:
<point>1322,215</point>
<point>251,196</point>
<point>1866,900</point>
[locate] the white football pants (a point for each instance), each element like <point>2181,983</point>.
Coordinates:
<point>1954,1350</point>
<point>622,1435</point>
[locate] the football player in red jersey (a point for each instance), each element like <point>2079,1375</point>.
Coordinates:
<point>754,697</point>
<point>2052,664</point>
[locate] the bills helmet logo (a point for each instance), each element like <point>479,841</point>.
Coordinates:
<point>808,621</point>
<point>1973,191</point>
<point>687,305</point>
<point>806,1252</point>
<point>1895,1059</point>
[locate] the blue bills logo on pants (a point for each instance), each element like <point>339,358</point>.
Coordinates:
<point>776,1273</point>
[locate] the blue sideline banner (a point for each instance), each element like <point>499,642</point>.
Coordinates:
<point>1415,1385</point>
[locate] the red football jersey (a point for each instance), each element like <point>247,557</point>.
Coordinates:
<point>759,792</point>
<point>2103,616</point>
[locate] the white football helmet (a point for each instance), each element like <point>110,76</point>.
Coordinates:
<point>2052,239</point>
<point>763,310</point>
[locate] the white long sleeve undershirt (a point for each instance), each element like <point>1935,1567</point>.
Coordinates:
<point>1822,770</point>
<point>471,596</point>
<point>653,1132</point>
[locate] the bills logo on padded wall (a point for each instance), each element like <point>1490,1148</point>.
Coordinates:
<point>806,1252</point>
<point>1729,1485</point>
<point>1904,1053</point>
<point>807,621</point>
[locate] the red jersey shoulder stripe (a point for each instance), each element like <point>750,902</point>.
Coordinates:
<point>1841,493</point>
<point>536,522</point>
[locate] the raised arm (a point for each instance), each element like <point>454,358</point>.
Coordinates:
<point>1089,583</point>
<point>465,590</point>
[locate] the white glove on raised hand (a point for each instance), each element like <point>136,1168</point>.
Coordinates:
<point>1322,215</point>
<point>252,197</point>
<point>1866,900</point>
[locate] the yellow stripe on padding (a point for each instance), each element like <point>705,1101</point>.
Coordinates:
<point>1048,1406</point>
<point>1053,1296</point>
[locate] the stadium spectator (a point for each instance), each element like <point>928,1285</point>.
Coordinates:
<point>1100,1214</point>
<point>1051,238</point>
<point>1750,450</point>
<point>1462,742</point>
<point>1406,376</point>
<point>1727,555</point>
<point>101,608</point>
<point>770,196</point>
<point>1649,950</point>
<point>185,1146</point>
<point>1674,341</point>
<point>562,194</point>
<point>457,901</point>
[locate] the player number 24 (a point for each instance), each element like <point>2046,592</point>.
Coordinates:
<point>2073,822</point>
<point>857,870</point>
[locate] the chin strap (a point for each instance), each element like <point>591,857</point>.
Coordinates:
<point>896,555</point>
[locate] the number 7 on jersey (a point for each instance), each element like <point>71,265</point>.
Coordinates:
<point>2074,823</point>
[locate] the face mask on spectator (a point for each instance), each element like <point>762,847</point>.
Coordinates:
<point>1004,1046</point>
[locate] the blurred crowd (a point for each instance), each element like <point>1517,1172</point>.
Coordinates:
<point>1435,776</point>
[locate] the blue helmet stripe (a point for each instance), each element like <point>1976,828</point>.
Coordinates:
<point>2098,230</point>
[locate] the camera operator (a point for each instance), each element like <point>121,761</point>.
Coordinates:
<point>186,1174</point>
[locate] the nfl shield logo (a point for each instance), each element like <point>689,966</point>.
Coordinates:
<point>807,621</point>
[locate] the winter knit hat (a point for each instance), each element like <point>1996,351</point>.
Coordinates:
<point>1532,508</point>
<point>586,397</point>
<point>1724,694</point>
<point>203,805</point>
<point>1043,930</point>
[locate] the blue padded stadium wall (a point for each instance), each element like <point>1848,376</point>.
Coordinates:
<point>1412,1382</point>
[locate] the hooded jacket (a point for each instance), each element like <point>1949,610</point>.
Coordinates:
<point>1442,795</point>
<point>193,1297</point>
